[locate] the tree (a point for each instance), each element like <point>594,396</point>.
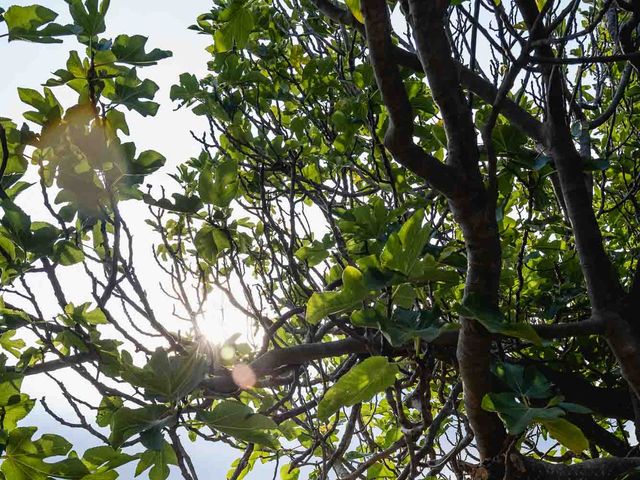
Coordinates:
<point>428,209</point>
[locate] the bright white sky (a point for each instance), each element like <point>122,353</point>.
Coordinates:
<point>29,65</point>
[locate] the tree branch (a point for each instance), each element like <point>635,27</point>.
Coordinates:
<point>274,360</point>
<point>399,135</point>
<point>469,79</point>
<point>434,52</point>
<point>594,469</point>
<point>520,118</point>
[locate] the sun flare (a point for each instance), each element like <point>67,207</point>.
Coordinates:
<point>222,321</point>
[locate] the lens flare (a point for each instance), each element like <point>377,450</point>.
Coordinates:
<point>243,376</point>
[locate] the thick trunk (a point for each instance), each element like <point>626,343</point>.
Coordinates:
<point>474,342</point>
<point>625,344</point>
<point>603,286</point>
<point>473,212</point>
<point>524,468</point>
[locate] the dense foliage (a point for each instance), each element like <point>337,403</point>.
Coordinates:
<point>428,210</point>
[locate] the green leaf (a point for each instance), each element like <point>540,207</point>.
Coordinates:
<point>379,471</point>
<point>574,408</point>
<point>108,475</point>
<point>567,434</point>
<point>540,4</point>
<point>508,140</point>
<point>8,390</point>
<point>373,275</point>
<point>205,244</point>
<point>356,11</point>
<point>47,108</point>
<point>89,16</point>
<point>236,29</point>
<point>314,252</point>
<point>127,422</point>
<point>131,92</point>
<point>67,253</point>
<point>147,162</point>
<point>116,119</point>
<point>10,344</point>
<point>16,221</point>
<point>180,203</point>
<point>404,295</point>
<point>187,89</point>
<point>406,325</point>
<point>24,457</point>
<point>107,457</point>
<point>525,381</point>
<point>427,270</point>
<point>43,238</point>
<point>159,461</point>
<point>14,406</point>
<point>108,406</point>
<point>210,241</point>
<point>7,251</point>
<point>239,421</point>
<point>152,439</point>
<point>359,384</point>
<point>404,248</point>
<point>84,316</point>
<point>515,414</point>
<point>13,318</point>
<point>33,23</point>
<point>19,407</point>
<point>494,321</point>
<point>220,188</point>
<point>50,445</point>
<point>288,473</point>
<point>17,188</point>
<point>70,340</point>
<point>353,292</point>
<point>169,378</point>
<point>131,50</point>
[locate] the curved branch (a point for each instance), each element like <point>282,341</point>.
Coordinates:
<point>617,97</point>
<point>274,360</point>
<point>469,79</point>
<point>399,136</point>
<point>519,117</point>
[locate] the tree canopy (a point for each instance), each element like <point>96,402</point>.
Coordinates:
<point>428,210</point>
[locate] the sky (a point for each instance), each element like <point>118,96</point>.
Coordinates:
<point>29,65</point>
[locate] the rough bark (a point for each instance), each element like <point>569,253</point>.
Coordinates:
<point>524,468</point>
<point>461,182</point>
<point>602,282</point>
<point>474,213</point>
<point>467,196</point>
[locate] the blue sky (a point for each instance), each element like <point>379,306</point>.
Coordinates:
<point>29,65</point>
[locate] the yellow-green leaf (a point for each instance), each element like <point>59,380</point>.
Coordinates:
<point>356,11</point>
<point>359,384</point>
<point>348,298</point>
<point>567,434</point>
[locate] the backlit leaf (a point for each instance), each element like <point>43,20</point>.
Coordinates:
<point>360,384</point>
<point>353,291</point>
<point>239,421</point>
<point>567,434</point>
